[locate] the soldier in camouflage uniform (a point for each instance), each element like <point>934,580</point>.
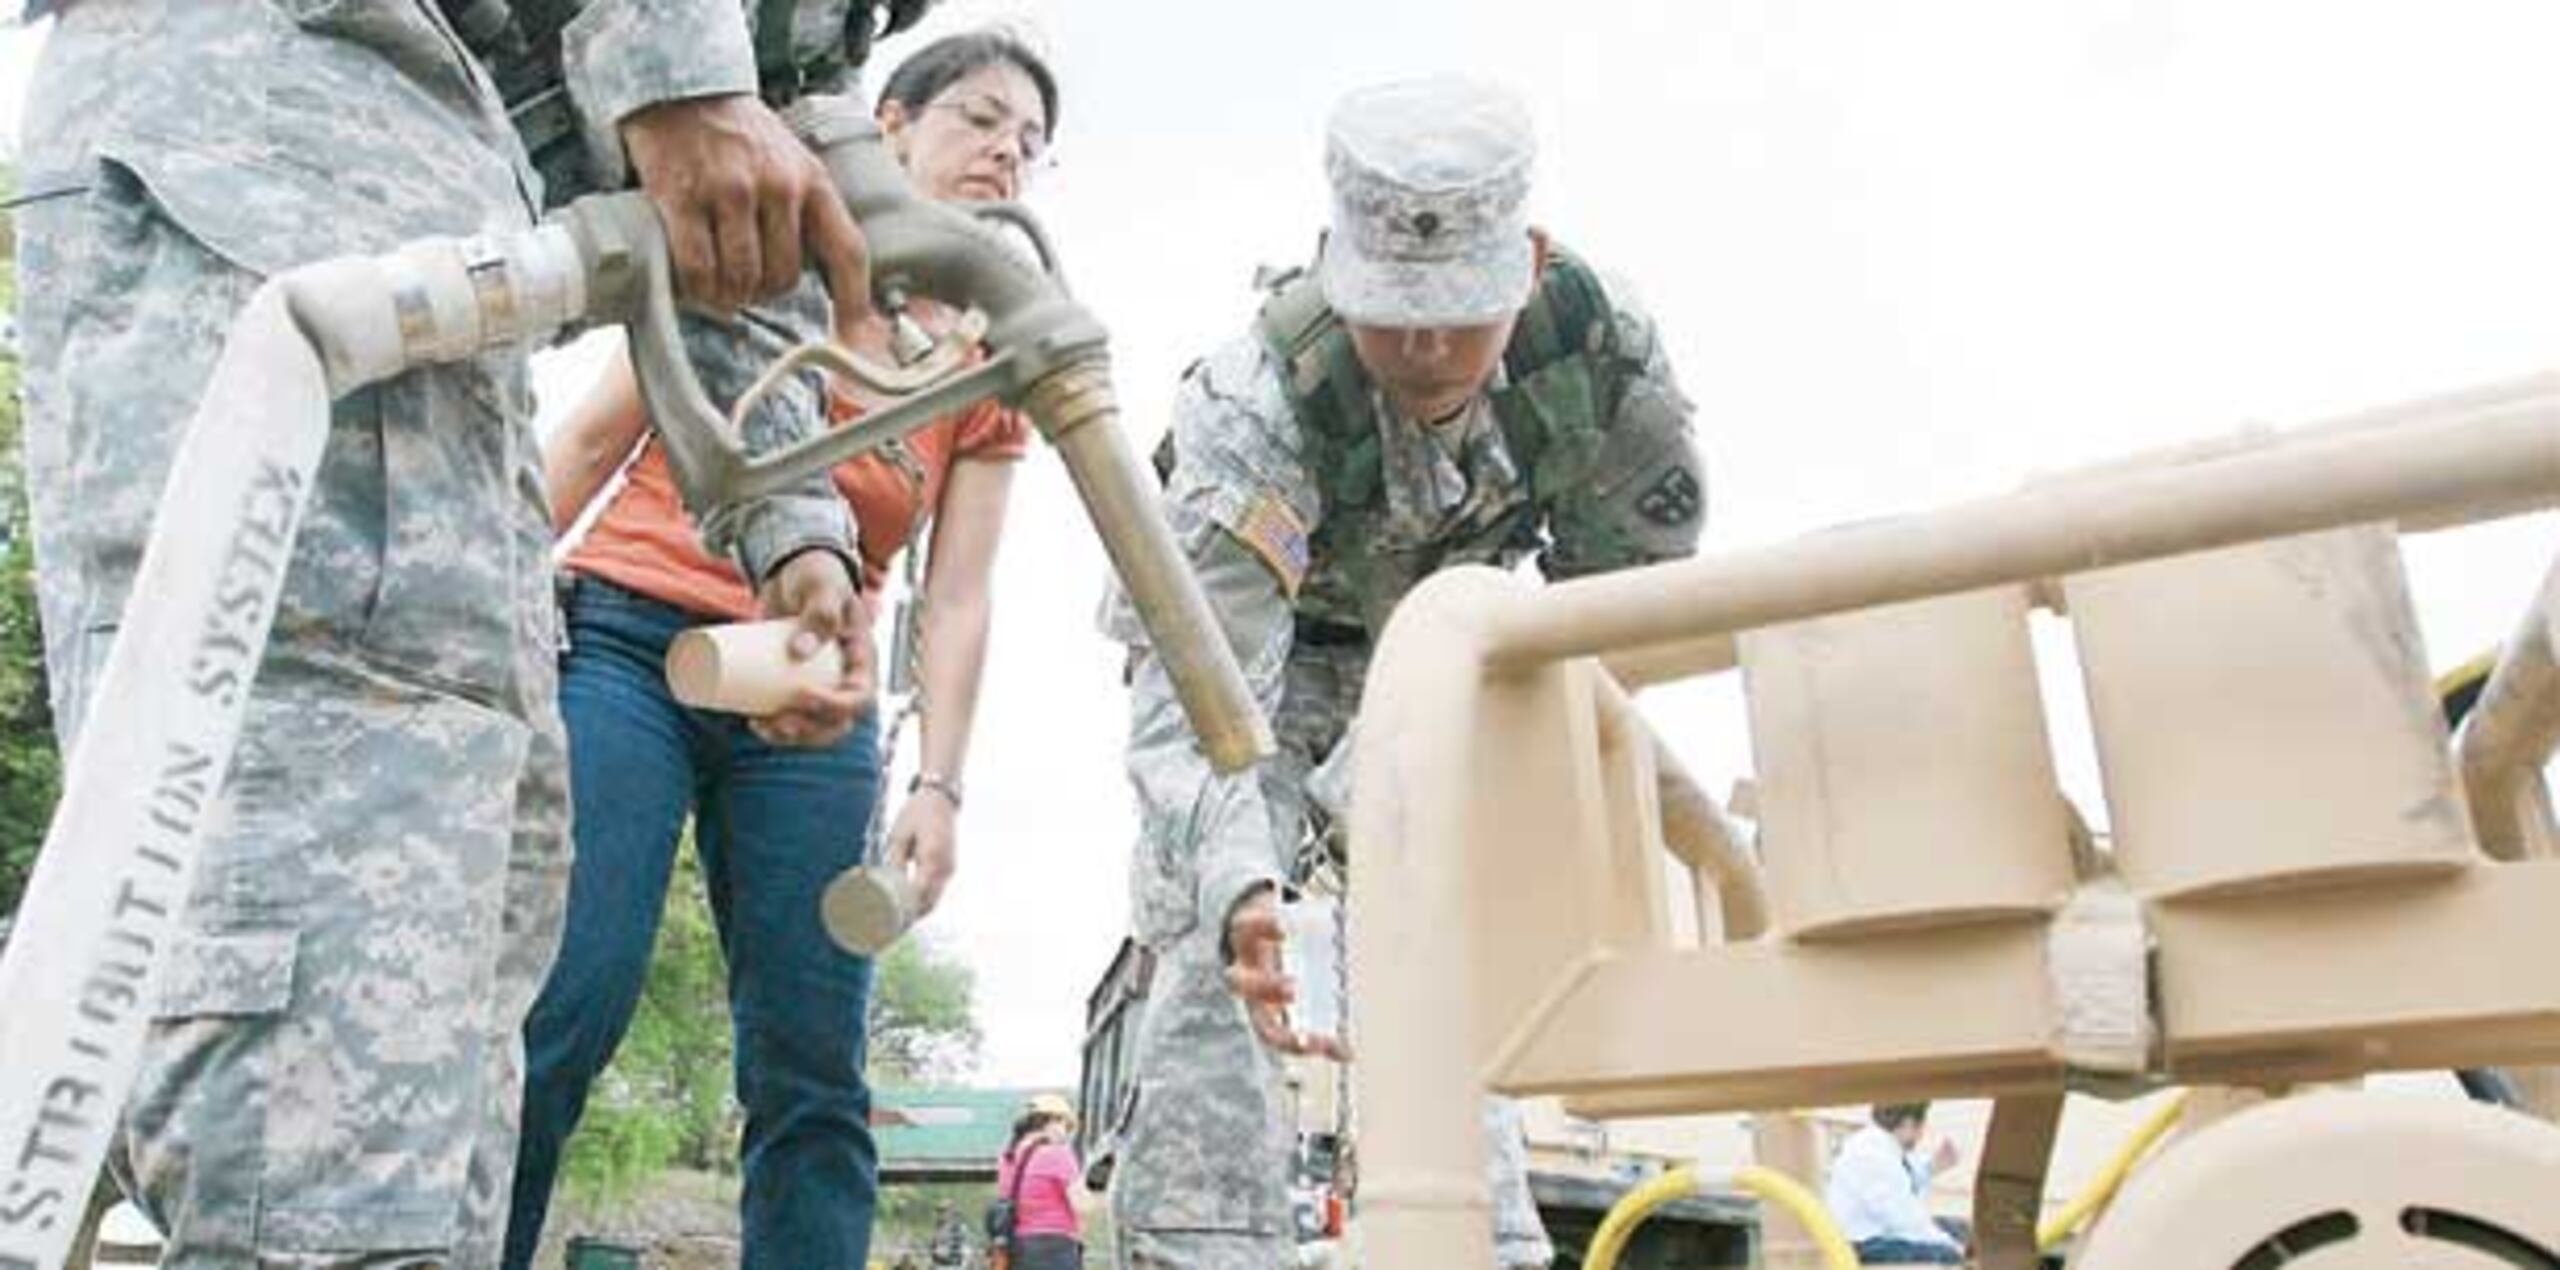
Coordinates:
<point>798,47</point>
<point>1447,387</point>
<point>330,1078</point>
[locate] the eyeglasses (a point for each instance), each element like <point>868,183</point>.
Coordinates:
<point>992,119</point>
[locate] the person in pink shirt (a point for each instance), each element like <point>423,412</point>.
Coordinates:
<point>1041,1177</point>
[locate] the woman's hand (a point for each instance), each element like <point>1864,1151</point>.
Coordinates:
<point>816,589</point>
<point>925,842</point>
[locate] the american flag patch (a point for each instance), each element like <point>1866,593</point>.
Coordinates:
<point>1275,533</point>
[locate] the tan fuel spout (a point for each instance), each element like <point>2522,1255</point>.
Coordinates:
<point>1078,412</point>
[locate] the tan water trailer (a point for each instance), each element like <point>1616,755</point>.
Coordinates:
<point>2295,891</point>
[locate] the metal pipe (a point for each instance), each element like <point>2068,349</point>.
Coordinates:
<point>1663,663</point>
<point>2498,455</point>
<point>2421,412</point>
<point>1705,837</point>
<point>2511,732</point>
<point>1076,410</point>
<point>1694,827</point>
<point>1711,654</point>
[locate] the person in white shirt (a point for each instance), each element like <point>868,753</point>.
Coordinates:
<point>1875,1191</point>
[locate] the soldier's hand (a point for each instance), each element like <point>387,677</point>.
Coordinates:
<point>925,841</point>
<point>815,588</point>
<point>1254,937</point>
<point>741,197</point>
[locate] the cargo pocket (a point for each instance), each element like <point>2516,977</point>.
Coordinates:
<point>458,582</point>
<point>393,1078</point>
<point>196,1127</point>
<point>239,975</point>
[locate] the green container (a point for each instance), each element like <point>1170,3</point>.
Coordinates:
<point>601,1254</point>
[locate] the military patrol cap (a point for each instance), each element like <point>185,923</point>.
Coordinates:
<point>1430,178</point>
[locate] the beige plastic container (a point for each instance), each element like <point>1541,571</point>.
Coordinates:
<point>2264,717</point>
<point>746,667</point>
<point>1904,777</point>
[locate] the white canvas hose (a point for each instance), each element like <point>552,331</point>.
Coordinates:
<point>80,971</point>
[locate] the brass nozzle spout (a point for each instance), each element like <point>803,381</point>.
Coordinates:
<point>1120,495</point>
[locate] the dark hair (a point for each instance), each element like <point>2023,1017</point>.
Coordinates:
<point>1891,1115</point>
<point>936,66</point>
<point>1028,1123</point>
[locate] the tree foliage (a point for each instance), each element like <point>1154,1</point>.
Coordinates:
<point>924,1026</point>
<point>30,770</point>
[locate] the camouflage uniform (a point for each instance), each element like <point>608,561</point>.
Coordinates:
<point>1305,534</point>
<point>818,47</point>
<point>330,1076</point>
<point>814,1114</point>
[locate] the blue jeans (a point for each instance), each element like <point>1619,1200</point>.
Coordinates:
<point>1887,1251</point>
<point>773,825</point>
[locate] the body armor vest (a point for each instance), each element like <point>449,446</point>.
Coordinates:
<point>1565,374</point>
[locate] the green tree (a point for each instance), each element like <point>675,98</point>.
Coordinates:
<point>30,771</point>
<point>924,1031</point>
<point>924,1023</point>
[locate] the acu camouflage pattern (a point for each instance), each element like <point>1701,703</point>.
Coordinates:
<point>1193,1188</point>
<point>570,70</point>
<point>331,1077</point>
<point>1430,182</point>
<point>728,356</point>
<point>1586,410</point>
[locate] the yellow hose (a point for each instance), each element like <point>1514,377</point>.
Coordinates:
<point>1610,1241</point>
<point>1773,1187</point>
<point>2462,676</point>
<point>2053,1230</point>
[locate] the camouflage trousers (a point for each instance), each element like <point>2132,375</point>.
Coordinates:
<point>330,1077</point>
<point>1202,1178</point>
<point>1202,1182</point>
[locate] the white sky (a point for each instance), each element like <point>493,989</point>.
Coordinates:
<point>1903,253</point>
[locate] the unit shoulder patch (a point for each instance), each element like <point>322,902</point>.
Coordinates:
<point>1673,499</point>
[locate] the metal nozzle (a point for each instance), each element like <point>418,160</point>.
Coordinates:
<point>1044,351</point>
<point>1120,496</point>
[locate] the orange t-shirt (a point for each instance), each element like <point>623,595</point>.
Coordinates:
<point>646,542</point>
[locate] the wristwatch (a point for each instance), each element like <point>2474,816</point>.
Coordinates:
<point>938,783</point>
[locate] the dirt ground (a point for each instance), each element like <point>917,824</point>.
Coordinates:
<point>689,1221</point>
<point>678,1221</point>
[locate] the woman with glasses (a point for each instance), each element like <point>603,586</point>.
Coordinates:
<point>775,817</point>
